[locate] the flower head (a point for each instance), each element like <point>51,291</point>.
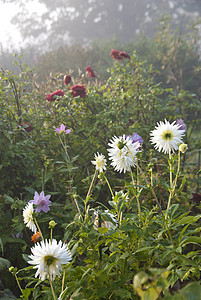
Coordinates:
<point>166,136</point>
<point>119,55</point>
<point>28,212</point>
<point>123,153</point>
<point>35,237</point>
<point>54,96</point>
<point>41,201</point>
<point>67,79</point>
<point>91,73</point>
<point>62,129</point>
<point>182,124</point>
<point>135,137</point>
<point>25,126</point>
<point>78,90</point>
<point>48,258</point>
<point>99,162</point>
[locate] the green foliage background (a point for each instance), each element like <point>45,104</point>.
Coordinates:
<point>160,81</point>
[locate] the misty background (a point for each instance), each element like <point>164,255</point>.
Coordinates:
<point>46,28</point>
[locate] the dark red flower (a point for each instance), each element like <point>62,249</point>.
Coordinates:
<point>52,96</point>
<point>90,72</point>
<point>25,126</point>
<point>67,79</point>
<point>124,55</point>
<point>119,55</point>
<point>78,90</point>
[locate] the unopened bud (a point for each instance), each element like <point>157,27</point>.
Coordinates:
<point>183,148</point>
<point>52,224</point>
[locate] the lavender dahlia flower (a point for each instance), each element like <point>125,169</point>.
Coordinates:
<point>41,201</point>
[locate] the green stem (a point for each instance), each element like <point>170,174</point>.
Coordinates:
<point>51,231</point>
<point>170,164</point>
<point>21,290</point>
<point>137,197</point>
<point>109,186</point>
<point>151,189</point>
<point>89,191</point>
<point>175,182</point>
<point>53,294</point>
<point>39,229</point>
<point>63,280</point>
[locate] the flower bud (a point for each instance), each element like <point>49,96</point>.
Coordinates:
<point>12,270</point>
<point>183,148</point>
<point>52,224</point>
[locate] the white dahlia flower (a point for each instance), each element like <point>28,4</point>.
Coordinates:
<point>166,136</point>
<point>48,258</point>
<point>99,162</point>
<point>28,212</point>
<point>122,152</point>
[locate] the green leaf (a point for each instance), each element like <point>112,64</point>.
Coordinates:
<point>4,263</point>
<point>191,240</point>
<point>192,291</point>
<point>189,219</point>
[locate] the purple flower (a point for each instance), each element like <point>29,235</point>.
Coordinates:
<point>135,137</point>
<point>62,129</point>
<point>182,124</point>
<point>41,201</point>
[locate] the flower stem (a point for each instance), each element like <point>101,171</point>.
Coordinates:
<point>53,294</point>
<point>39,229</point>
<point>175,182</point>
<point>51,235</point>
<point>88,194</point>
<point>21,290</point>
<point>89,191</point>
<point>151,188</point>
<point>109,186</point>
<point>137,197</point>
<point>63,280</point>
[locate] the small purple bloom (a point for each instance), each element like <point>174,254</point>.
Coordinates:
<point>182,124</point>
<point>135,137</point>
<point>41,201</point>
<point>62,129</point>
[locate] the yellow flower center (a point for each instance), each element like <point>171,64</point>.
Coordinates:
<point>167,135</point>
<point>49,259</point>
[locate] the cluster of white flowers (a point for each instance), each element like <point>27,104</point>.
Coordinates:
<point>48,256</point>
<point>166,137</point>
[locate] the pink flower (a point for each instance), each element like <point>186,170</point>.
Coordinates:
<point>67,79</point>
<point>53,96</point>
<point>90,72</point>
<point>119,55</point>
<point>62,129</point>
<point>78,90</point>
<point>41,201</point>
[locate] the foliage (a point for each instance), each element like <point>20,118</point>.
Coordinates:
<point>149,252</point>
